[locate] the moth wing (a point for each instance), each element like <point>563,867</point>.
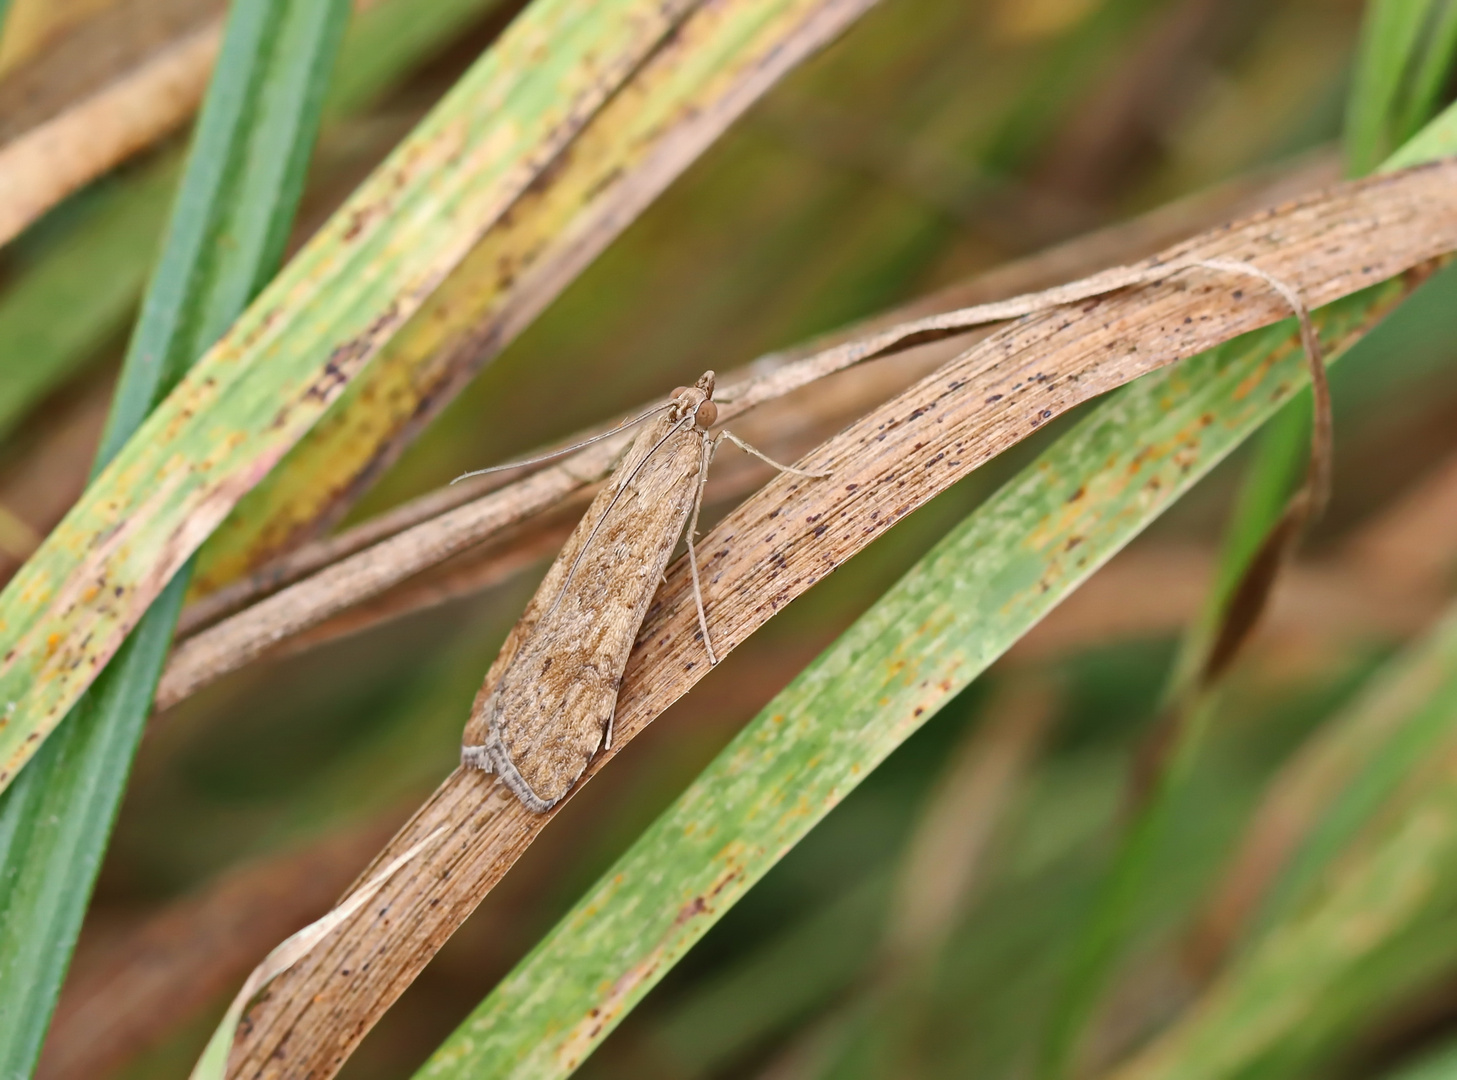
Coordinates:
<point>548,713</point>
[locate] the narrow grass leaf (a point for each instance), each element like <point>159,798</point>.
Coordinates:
<point>1402,721</point>
<point>213,1065</point>
<point>238,197</point>
<point>1430,73</point>
<point>963,605</point>
<point>1261,530</point>
<point>770,549</point>
<point>1390,40</point>
<point>1381,924</point>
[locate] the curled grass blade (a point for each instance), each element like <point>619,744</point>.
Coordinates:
<point>790,534</point>
<point>968,601</point>
<point>767,425</point>
<point>1392,47</point>
<point>237,200</point>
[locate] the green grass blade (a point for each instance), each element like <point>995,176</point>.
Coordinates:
<point>723,57</point>
<point>1272,475</point>
<point>1409,686</point>
<point>1431,70</point>
<point>1390,48</point>
<point>1383,923</point>
<point>295,349</point>
<point>1274,472</point>
<point>245,172</point>
<point>238,198</point>
<point>984,586</point>
<point>54,824</point>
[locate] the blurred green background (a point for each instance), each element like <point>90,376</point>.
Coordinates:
<point>937,140</point>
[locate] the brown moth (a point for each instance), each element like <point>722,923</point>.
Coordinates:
<point>548,701</point>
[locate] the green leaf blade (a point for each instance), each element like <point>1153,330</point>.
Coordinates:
<point>238,198</point>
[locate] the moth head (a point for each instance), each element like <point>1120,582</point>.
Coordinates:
<point>696,401</point>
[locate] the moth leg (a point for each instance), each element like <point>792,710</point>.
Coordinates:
<point>709,446</point>
<point>611,718</point>
<point>727,434</point>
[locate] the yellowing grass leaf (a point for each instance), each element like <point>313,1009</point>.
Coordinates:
<point>254,394</point>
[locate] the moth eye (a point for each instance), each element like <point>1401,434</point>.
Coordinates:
<point>678,391</point>
<point>706,415</point>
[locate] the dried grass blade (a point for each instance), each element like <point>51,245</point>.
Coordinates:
<point>246,636</point>
<point>83,287</point>
<point>43,166</point>
<point>984,586</point>
<point>214,1061</point>
<point>886,465</point>
<point>827,410</point>
<point>721,58</point>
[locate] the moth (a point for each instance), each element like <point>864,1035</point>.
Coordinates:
<point>548,701</point>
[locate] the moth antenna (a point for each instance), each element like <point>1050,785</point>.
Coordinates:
<point>586,544</point>
<point>709,445</point>
<point>638,419</point>
<point>729,435</point>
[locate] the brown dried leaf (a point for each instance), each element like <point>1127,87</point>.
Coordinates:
<point>795,531</point>
<point>42,165</point>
